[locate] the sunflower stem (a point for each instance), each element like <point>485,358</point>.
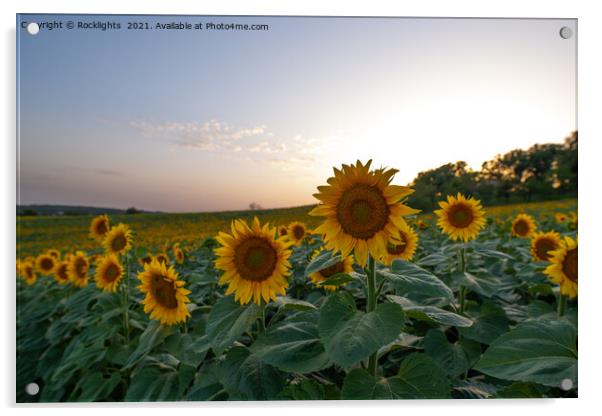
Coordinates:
<point>262,317</point>
<point>561,305</point>
<point>126,286</point>
<point>371,306</point>
<point>462,268</point>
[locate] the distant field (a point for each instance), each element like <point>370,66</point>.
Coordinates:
<point>38,234</point>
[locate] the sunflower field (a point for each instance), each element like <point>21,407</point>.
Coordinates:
<point>358,297</point>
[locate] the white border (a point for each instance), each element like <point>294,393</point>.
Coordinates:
<point>590,105</point>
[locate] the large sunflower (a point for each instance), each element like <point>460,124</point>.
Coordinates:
<point>77,270</point>
<point>563,267</point>
<point>28,271</point>
<point>523,226</point>
<point>99,227</point>
<point>109,273</point>
<point>460,217</point>
<point>255,264</point>
<point>343,266</point>
<point>118,240</point>
<point>403,247</point>
<point>61,276</point>
<point>544,243</point>
<point>165,296</point>
<point>45,264</point>
<point>296,232</point>
<point>362,210</point>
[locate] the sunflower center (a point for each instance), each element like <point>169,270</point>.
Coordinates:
<point>112,273</point>
<point>521,227</point>
<point>62,272</point>
<point>102,228</point>
<point>460,216</point>
<point>569,265</point>
<point>81,267</point>
<point>336,268</point>
<point>362,211</point>
<point>46,264</point>
<point>164,292</point>
<point>298,232</point>
<point>543,247</point>
<point>396,248</point>
<point>119,242</point>
<point>255,259</point>
<point>282,231</point>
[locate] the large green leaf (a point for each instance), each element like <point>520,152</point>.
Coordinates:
<point>419,377</point>
<point>152,336</point>
<point>488,325</point>
<point>228,321</point>
<point>152,384</point>
<point>322,261</point>
<point>450,357</point>
<point>430,313</point>
<point>246,377</point>
<point>349,335</point>
<point>293,345</point>
<point>94,386</point>
<point>543,351</point>
<point>409,278</point>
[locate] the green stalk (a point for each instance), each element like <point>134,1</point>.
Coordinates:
<point>371,305</point>
<point>462,268</point>
<point>126,300</point>
<point>262,317</point>
<point>561,305</point>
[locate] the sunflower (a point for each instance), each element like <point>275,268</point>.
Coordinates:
<point>109,273</point>
<point>54,253</point>
<point>77,270</point>
<point>544,243</point>
<point>573,221</point>
<point>560,217</point>
<point>523,226</point>
<point>165,296</point>
<point>403,247</point>
<point>422,225</point>
<point>563,267</point>
<point>28,271</point>
<point>145,260</point>
<point>118,240</point>
<point>61,276</point>
<point>255,264</point>
<point>162,258</point>
<point>296,232</point>
<point>45,264</point>
<point>178,254</point>
<point>99,227</point>
<point>282,231</point>
<point>345,265</point>
<point>362,209</point>
<point>460,217</point>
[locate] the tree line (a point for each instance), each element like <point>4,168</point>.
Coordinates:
<point>542,172</point>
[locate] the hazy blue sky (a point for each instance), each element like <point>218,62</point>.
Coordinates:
<point>201,120</point>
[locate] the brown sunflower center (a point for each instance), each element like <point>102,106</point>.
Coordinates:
<point>543,246</point>
<point>102,228</point>
<point>362,211</point>
<point>398,247</point>
<point>161,258</point>
<point>282,231</point>
<point>298,232</point>
<point>112,272</point>
<point>46,264</point>
<point>569,265</point>
<point>62,272</point>
<point>521,227</point>
<point>119,242</point>
<point>29,272</point>
<point>81,267</point>
<point>460,215</point>
<point>164,292</point>
<point>336,268</point>
<point>255,259</point>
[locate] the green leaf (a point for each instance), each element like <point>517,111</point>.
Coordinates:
<point>520,391</point>
<point>430,313</point>
<point>94,386</point>
<point>304,390</point>
<point>432,259</point>
<point>338,279</point>
<point>322,261</point>
<point>293,345</point>
<point>207,386</point>
<point>489,325</point>
<point>493,253</point>
<point>227,321</point>
<point>152,336</point>
<point>409,278</point>
<point>187,350</point>
<point>246,377</point>
<point>418,378</point>
<point>543,351</point>
<point>472,389</point>
<point>450,357</point>
<point>484,286</point>
<point>349,335</point>
<point>295,304</point>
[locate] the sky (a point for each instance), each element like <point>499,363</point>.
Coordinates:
<point>205,120</point>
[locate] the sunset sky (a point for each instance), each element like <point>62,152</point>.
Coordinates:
<point>205,121</point>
